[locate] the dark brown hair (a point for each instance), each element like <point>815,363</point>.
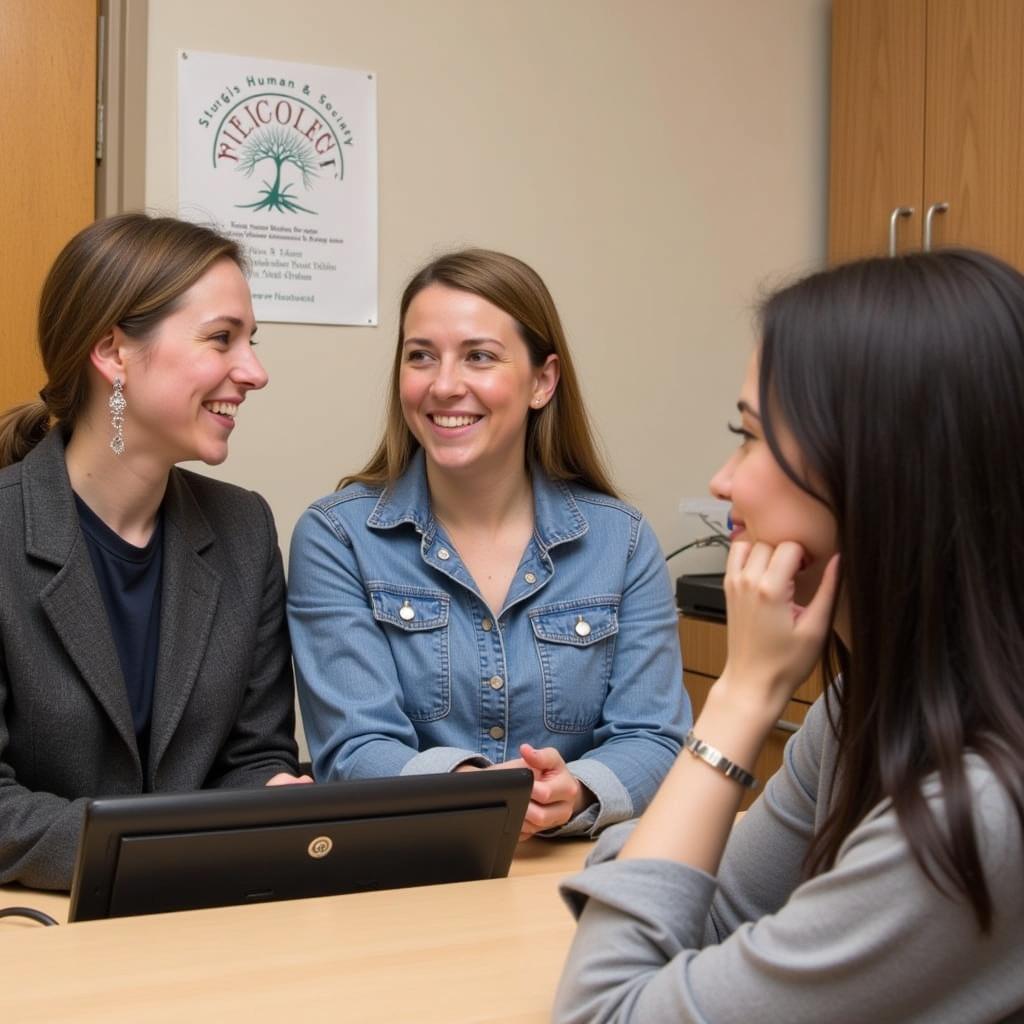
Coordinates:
<point>559,437</point>
<point>127,271</point>
<point>902,383</point>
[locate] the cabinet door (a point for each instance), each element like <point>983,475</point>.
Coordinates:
<point>877,129</point>
<point>974,135</point>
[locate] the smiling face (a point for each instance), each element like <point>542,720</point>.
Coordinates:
<point>466,382</point>
<point>767,505</point>
<point>184,384</point>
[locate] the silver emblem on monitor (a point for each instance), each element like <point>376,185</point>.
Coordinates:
<point>320,847</point>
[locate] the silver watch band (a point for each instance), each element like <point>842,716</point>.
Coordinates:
<point>710,755</point>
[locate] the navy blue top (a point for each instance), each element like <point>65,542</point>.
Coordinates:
<point>129,579</point>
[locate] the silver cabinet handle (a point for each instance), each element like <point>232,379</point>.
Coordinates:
<point>783,726</point>
<point>932,210</point>
<point>900,211</point>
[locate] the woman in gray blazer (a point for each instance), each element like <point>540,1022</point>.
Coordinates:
<point>143,645</point>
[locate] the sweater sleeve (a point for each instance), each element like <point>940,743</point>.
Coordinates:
<point>872,938</point>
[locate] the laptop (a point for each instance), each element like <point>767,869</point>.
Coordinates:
<point>157,853</point>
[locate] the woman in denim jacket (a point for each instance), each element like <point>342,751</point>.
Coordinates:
<point>478,596</point>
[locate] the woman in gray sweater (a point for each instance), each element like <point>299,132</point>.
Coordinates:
<point>877,501</point>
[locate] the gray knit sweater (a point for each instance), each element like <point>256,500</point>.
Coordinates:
<point>871,940</point>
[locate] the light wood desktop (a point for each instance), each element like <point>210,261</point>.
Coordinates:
<point>474,951</point>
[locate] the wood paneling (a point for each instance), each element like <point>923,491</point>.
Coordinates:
<point>705,648</point>
<point>974,127</point>
<point>704,645</point>
<point>48,53</point>
<point>877,134</point>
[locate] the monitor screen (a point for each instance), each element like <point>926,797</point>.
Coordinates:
<point>163,852</point>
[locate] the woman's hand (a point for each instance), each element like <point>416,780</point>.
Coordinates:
<point>557,795</point>
<point>773,642</point>
<point>284,779</point>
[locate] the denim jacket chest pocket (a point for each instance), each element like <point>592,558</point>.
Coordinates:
<point>575,643</point>
<point>415,621</point>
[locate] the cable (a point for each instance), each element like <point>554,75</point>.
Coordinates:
<point>715,540</point>
<point>35,915</point>
<point>713,526</point>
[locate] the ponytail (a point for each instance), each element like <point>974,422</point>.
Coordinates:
<point>22,427</point>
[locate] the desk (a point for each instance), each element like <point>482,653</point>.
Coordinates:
<point>536,857</point>
<point>474,951</point>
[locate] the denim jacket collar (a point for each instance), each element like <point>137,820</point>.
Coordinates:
<point>556,514</point>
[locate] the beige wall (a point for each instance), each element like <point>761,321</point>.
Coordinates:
<point>657,161</point>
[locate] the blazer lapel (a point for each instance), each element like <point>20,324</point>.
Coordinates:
<point>191,589</point>
<point>72,600</point>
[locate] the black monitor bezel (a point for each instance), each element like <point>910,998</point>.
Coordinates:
<point>173,816</point>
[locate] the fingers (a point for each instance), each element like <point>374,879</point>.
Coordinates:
<point>772,642</point>
<point>739,551</point>
<point>540,817</point>
<point>543,759</point>
<point>817,616</point>
<point>553,782</point>
<point>284,779</point>
<point>516,762</point>
<point>766,569</point>
<point>555,790</point>
<point>783,565</point>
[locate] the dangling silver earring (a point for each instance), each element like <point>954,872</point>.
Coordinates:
<point>117,407</point>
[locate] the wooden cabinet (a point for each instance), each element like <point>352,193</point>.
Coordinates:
<point>927,109</point>
<point>704,648</point>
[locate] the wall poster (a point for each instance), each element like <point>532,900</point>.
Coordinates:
<point>282,157</point>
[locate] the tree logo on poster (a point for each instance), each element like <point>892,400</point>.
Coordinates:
<point>294,140</point>
<point>283,149</point>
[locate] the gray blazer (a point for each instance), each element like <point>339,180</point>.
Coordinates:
<point>223,711</point>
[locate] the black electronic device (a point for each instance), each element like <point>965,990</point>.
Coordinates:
<point>163,852</point>
<point>701,595</point>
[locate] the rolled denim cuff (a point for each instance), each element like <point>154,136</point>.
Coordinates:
<point>613,800</point>
<point>438,760</point>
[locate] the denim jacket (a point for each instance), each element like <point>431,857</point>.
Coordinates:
<point>402,668</point>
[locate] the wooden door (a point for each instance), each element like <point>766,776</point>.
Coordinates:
<point>877,128</point>
<point>974,134</point>
<point>48,53</point>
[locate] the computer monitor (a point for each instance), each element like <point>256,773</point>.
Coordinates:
<point>163,852</point>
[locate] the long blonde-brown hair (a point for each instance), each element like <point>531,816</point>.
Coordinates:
<point>127,271</point>
<point>559,438</point>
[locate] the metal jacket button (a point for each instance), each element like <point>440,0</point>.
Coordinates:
<point>496,732</point>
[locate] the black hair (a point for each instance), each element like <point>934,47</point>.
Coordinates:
<point>902,382</point>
